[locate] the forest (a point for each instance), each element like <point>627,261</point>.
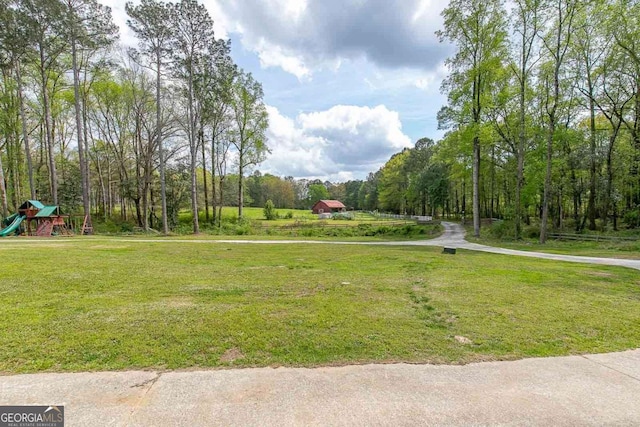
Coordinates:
<point>104,130</point>
<point>542,122</point>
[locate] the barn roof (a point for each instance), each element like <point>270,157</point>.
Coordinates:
<point>47,211</point>
<point>333,203</point>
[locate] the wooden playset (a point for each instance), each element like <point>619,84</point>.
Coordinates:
<point>41,220</point>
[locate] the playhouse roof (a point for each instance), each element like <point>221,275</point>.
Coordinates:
<point>32,203</point>
<point>47,211</point>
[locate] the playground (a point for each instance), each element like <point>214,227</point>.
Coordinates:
<point>36,219</point>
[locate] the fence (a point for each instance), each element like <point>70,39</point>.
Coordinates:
<point>322,224</point>
<point>591,237</point>
<point>419,218</point>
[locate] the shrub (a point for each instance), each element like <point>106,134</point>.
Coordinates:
<point>500,229</point>
<point>270,211</point>
<point>531,232</point>
<point>289,215</point>
<point>632,219</point>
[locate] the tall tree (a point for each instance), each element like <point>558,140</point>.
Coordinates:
<point>478,29</point>
<point>192,39</point>
<point>527,23</point>
<point>251,122</point>
<point>88,26</point>
<point>45,18</point>
<point>557,42</point>
<point>149,21</point>
<point>15,41</point>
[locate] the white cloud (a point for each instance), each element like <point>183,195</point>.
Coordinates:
<point>275,56</point>
<point>342,143</point>
<point>303,37</point>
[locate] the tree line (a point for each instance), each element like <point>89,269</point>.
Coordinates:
<point>542,119</point>
<point>543,112</point>
<point>95,127</point>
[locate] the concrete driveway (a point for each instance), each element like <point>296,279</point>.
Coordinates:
<point>453,236</point>
<point>596,390</point>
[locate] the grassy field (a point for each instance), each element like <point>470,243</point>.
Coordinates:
<point>110,304</point>
<point>629,250</point>
<point>611,249</point>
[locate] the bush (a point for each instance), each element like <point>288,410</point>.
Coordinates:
<point>270,211</point>
<point>632,219</point>
<point>531,232</point>
<point>289,215</point>
<point>501,229</point>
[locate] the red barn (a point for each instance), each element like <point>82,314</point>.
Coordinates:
<point>328,206</point>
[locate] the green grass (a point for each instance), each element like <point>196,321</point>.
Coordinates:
<point>620,249</point>
<point>110,304</point>
<point>608,249</point>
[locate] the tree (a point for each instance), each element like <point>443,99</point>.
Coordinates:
<point>270,211</point>
<point>149,22</point>
<point>192,40</point>
<point>394,183</point>
<point>477,27</point>
<point>527,25</point>
<point>88,25</point>
<point>45,19</point>
<point>317,192</point>
<point>15,41</point>
<point>557,42</point>
<point>251,122</point>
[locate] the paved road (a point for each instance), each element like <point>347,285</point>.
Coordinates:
<point>596,390</point>
<point>453,236</point>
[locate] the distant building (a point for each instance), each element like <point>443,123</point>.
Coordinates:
<point>328,206</point>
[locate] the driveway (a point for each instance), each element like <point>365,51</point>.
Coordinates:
<point>453,236</point>
<point>596,390</point>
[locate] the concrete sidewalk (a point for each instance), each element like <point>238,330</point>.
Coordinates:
<point>592,390</point>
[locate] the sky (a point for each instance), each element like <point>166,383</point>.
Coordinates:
<point>347,83</point>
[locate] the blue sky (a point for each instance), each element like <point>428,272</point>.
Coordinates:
<point>347,82</point>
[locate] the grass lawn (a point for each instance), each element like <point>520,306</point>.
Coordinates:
<point>86,304</point>
<point>610,249</point>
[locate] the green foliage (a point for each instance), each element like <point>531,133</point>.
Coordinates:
<point>632,218</point>
<point>270,211</point>
<point>317,192</point>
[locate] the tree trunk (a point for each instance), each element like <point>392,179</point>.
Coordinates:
<point>25,133</point>
<point>204,175</point>
<point>213,176</point>
<point>240,188</point>
<point>547,184</point>
<point>520,155</point>
<point>194,156</point>
<point>591,206</point>
<point>53,174</point>
<point>163,185</point>
<point>476,186</point>
<point>3,191</point>
<point>80,132</point>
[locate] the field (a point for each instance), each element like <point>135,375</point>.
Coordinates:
<point>82,304</point>
<point>628,248</point>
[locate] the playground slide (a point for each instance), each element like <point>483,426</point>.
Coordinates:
<point>12,227</point>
